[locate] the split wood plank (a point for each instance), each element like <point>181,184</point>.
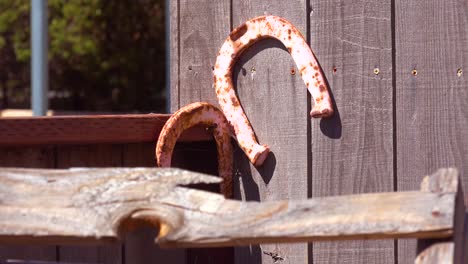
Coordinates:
<point>431,44</point>
<point>139,244</point>
<point>352,152</point>
<point>28,157</point>
<point>101,155</point>
<point>88,130</point>
<point>53,205</point>
<point>274,98</point>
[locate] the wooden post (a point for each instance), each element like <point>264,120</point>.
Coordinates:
<point>444,250</point>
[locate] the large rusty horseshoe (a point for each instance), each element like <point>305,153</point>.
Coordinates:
<point>238,41</point>
<point>188,116</point>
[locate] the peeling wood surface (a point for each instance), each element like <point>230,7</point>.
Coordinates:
<point>99,205</point>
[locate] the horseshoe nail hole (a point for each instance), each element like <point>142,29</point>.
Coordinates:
<point>253,70</point>
<point>376,71</point>
<point>414,72</point>
<point>293,71</point>
<point>212,68</point>
<point>334,70</point>
<point>459,72</point>
<point>190,67</point>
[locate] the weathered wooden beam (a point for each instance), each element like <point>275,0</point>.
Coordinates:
<point>436,254</point>
<point>448,250</point>
<point>90,129</point>
<point>86,205</point>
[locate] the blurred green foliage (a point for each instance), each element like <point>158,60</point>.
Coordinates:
<point>104,55</point>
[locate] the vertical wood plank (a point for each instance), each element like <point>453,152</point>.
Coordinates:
<point>28,157</point>
<point>275,101</point>
<point>431,102</point>
<point>139,244</point>
<point>174,63</point>
<point>353,151</point>
<point>90,156</point>
<point>203,26</point>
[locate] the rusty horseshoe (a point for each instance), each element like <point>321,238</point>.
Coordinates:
<point>238,41</point>
<point>188,116</point>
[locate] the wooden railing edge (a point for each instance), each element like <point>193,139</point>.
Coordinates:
<point>451,250</point>
<point>112,200</point>
<point>89,129</point>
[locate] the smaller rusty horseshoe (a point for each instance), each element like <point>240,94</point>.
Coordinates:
<point>188,116</point>
<point>238,41</point>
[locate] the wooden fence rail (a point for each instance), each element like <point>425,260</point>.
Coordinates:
<point>396,70</point>
<point>89,205</point>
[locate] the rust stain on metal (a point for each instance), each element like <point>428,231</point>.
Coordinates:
<point>238,32</point>
<point>189,116</point>
<point>238,41</point>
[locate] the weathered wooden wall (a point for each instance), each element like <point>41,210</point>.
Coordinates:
<point>395,69</point>
<point>391,122</point>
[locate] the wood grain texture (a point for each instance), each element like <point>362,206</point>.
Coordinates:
<point>438,253</point>
<point>431,118</point>
<point>351,39</point>
<point>102,204</point>
<point>432,250</point>
<point>100,155</point>
<point>364,216</point>
<point>201,157</point>
<point>203,26</point>
<point>28,157</point>
<point>174,64</point>
<point>465,238</point>
<point>139,244</point>
<point>88,130</point>
<point>194,156</point>
<point>270,95</point>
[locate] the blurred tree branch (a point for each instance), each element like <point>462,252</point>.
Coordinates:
<point>103,55</point>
